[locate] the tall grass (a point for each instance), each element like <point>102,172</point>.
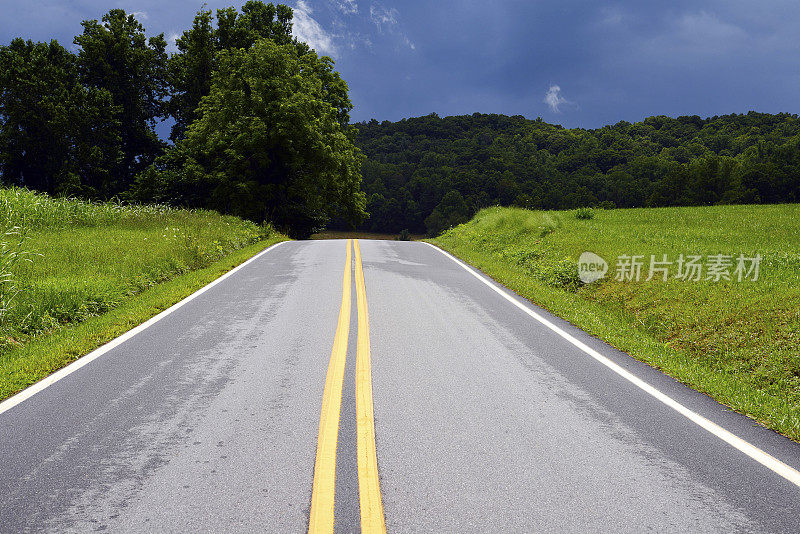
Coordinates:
<point>33,211</point>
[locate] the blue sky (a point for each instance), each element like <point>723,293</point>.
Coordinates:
<point>580,64</point>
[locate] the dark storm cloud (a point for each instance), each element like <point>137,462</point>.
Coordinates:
<point>609,61</point>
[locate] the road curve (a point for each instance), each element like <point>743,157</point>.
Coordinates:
<point>484,419</point>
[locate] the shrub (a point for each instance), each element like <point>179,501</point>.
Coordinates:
<point>584,214</point>
<point>562,274</point>
<point>267,230</point>
<point>404,235</point>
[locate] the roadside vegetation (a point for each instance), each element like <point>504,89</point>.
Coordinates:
<point>66,261</point>
<point>737,341</point>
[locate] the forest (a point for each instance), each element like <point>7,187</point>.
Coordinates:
<point>428,174</point>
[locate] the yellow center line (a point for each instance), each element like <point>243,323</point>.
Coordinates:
<point>322,495</point>
<point>369,488</point>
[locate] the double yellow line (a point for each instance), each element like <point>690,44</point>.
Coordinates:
<point>369,491</point>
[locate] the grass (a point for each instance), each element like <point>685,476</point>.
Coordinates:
<point>74,274</point>
<point>738,342</point>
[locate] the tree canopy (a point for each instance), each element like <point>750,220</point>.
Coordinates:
<point>271,141</point>
<point>190,69</point>
<point>56,134</point>
<point>117,57</point>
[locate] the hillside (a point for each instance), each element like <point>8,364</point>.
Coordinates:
<point>428,173</point>
<point>735,340</point>
<point>67,261</point>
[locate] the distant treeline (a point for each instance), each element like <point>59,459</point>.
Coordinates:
<point>429,173</point>
<point>261,123</point>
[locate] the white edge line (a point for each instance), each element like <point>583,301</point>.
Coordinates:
<point>33,389</point>
<point>768,461</point>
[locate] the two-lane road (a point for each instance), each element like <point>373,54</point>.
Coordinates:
<point>486,419</point>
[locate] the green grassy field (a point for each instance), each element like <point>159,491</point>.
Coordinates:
<point>738,341</point>
<point>66,262</point>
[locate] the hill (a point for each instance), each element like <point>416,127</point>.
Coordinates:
<point>428,173</point>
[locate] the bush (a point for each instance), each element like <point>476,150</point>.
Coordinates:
<point>267,230</point>
<point>607,205</point>
<point>562,274</point>
<point>404,235</point>
<point>584,214</point>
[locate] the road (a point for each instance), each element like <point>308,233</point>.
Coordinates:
<point>486,419</point>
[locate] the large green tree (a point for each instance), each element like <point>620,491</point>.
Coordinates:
<point>271,142</point>
<point>117,57</point>
<point>190,69</point>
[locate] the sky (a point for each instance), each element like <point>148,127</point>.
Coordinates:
<point>576,63</point>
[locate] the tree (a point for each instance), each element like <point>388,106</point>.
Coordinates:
<point>191,68</point>
<point>451,211</point>
<point>55,134</point>
<point>270,143</point>
<point>35,80</point>
<point>190,72</point>
<point>116,56</point>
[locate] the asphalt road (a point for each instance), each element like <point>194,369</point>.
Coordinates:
<point>485,420</point>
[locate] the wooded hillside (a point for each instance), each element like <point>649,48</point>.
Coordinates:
<point>429,173</point>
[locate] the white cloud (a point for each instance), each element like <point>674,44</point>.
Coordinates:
<point>353,40</point>
<point>554,99</point>
<point>140,15</point>
<point>348,7</point>
<point>308,30</point>
<point>340,36</point>
<point>387,19</point>
<point>381,16</point>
